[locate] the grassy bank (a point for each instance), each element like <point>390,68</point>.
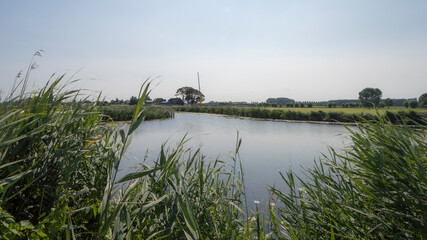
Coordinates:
<point>343,115</point>
<point>125,112</point>
<point>59,162</point>
<point>358,110</point>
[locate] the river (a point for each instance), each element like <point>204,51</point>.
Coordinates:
<point>267,146</point>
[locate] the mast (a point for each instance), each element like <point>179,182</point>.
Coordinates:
<point>200,93</point>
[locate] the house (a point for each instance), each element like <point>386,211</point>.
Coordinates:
<point>176,101</point>
<point>165,103</point>
<point>159,100</point>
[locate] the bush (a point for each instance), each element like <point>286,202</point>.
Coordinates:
<point>336,116</point>
<point>316,116</point>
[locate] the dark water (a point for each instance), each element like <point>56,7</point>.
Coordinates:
<point>267,146</point>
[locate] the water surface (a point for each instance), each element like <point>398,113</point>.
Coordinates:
<point>267,146</point>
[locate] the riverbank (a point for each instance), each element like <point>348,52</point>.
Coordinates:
<point>409,117</point>
<point>125,112</point>
<point>59,179</point>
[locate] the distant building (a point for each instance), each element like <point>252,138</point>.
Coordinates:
<point>159,100</point>
<point>165,103</point>
<point>176,101</point>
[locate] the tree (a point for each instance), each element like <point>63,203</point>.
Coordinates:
<point>423,100</point>
<point>133,100</point>
<point>370,97</point>
<point>280,100</point>
<point>413,103</point>
<point>406,104</point>
<point>190,95</point>
<point>388,102</point>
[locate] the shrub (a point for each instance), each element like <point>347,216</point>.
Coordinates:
<point>335,116</point>
<point>316,116</point>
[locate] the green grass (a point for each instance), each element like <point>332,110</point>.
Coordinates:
<point>315,114</point>
<point>376,189</point>
<point>352,110</point>
<point>58,180</point>
<point>125,112</point>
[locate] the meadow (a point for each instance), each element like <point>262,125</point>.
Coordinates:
<point>58,180</point>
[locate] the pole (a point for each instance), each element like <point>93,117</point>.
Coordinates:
<point>200,93</point>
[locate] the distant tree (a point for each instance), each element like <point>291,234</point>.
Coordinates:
<point>133,100</point>
<point>406,104</point>
<point>423,100</point>
<point>309,105</point>
<point>413,103</point>
<point>330,105</point>
<point>370,97</point>
<point>116,101</point>
<point>280,100</point>
<point>388,102</point>
<point>190,95</point>
<point>301,105</point>
<point>353,105</point>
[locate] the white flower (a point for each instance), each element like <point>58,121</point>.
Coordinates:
<point>256,202</point>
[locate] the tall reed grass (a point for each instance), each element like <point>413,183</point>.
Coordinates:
<point>58,180</point>
<point>59,162</point>
<point>125,112</point>
<point>375,190</point>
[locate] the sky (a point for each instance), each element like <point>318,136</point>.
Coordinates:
<point>307,50</point>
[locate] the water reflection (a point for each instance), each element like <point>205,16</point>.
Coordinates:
<point>267,146</point>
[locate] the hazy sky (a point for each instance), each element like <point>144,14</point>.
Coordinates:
<point>244,50</point>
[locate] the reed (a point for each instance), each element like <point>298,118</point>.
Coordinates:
<point>307,114</point>
<point>125,112</point>
<point>374,190</point>
<point>59,161</point>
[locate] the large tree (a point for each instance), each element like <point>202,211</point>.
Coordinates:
<point>370,97</point>
<point>190,95</point>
